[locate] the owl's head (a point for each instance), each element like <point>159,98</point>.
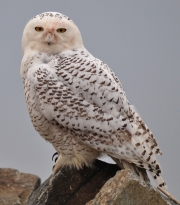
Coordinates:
<point>51,32</point>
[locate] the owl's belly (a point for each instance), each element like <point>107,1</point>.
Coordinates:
<point>71,151</point>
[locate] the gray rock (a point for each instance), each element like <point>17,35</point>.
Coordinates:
<point>102,184</point>
<point>126,188</point>
<point>72,186</point>
<point>16,187</point>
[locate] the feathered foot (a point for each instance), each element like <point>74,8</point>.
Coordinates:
<point>56,153</point>
<point>54,156</point>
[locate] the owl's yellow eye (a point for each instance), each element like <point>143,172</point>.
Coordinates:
<point>61,30</point>
<point>39,28</point>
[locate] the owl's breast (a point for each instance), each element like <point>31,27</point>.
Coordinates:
<point>40,122</point>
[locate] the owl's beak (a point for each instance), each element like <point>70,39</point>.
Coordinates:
<point>49,37</point>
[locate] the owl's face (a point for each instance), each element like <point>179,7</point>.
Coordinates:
<point>51,35</point>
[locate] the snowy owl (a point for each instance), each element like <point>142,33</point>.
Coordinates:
<point>77,103</point>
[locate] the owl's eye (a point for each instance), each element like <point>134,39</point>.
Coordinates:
<point>61,30</point>
<point>39,29</point>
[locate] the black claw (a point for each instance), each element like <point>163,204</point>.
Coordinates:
<point>56,159</point>
<point>53,168</point>
<point>54,155</point>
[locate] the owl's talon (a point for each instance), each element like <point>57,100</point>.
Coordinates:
<point>53,168</point>
<point>56,153</point>
<point>56,159</point>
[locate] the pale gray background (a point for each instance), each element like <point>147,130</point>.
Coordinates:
<point>139,40</point>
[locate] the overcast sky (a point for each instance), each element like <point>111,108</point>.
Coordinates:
<point>139,40</point>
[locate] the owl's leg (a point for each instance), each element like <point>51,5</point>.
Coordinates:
<point>56,153</point>
<point>62,161</point>
<point>58,164</point>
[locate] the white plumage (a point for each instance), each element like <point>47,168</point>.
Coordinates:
<point>77,103</point>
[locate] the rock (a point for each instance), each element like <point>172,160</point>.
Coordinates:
<point>72,186</point>
<point>16,187</point>
<point>102,184</point>
<point>126,188</point>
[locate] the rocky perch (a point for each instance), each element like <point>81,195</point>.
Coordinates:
<point>103,184</point>
<point>16,187</point>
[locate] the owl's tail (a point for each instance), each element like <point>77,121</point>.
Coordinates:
<point>159,180</point>
<point>142,173</point>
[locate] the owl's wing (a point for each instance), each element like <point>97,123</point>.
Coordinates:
<point>95,82</point>
<point>58,102</point>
